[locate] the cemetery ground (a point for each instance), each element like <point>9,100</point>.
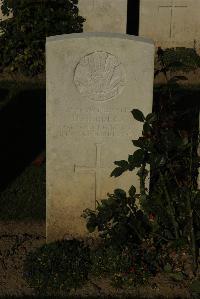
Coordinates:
<point>22,213</point>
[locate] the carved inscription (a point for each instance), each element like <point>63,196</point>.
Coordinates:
<point>96,130</point>
<point>85,123</point>
<point>99,76</point>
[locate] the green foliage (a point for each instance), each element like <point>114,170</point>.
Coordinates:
<point>178,176</point>
<point>169,150</point>
<point>138,115</point>
<point>170,158</point>
<point>195,288</point>
<point>177,59</point>
<point>117,219</point>
<point>108,259</point>
<point>22,43</point>
<point>58,266</point>
<point>128,280</point>
<point>127,266</point>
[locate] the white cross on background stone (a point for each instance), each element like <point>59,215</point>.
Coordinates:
<point>172,8</point>
<point>96,170</point>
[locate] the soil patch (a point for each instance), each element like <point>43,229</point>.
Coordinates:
<point>18,238</point>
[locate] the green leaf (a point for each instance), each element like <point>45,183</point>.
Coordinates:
<point>109,201</point>
<point>141,142</point>
<point>91,225</point>
<point>117,171</point>
<point>147,128</point>
<point>90,228</point>
<point>138,115</point>
<point>132,191</point>
<point>151,117</point>
<point>122,163</point>
<point>130,158</point>
<point>137,158</point>
<point>120,193</point>
<point>104,201</point>
<point>88,213</point>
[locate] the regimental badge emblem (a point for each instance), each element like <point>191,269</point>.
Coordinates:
<point>99,76</point>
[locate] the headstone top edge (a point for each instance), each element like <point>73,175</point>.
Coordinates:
<point>99,34</point>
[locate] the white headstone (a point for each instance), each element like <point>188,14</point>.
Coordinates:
<point>93,83</point>
<point>1,14</point>
<point>170,23</point>
<point>104,15</point>
<point>2,17</point>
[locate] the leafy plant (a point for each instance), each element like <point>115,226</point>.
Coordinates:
<point>170,159</point>
<point>125,266</point>
<point>22,42</point>
<point>171,152</point>
<point>177,59</point>
<point>172,155</point>
<point>107,259</point>
<point>118,218</point>
<point>58,266</point>
<point>183,119</point>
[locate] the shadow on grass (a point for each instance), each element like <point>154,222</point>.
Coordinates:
<point>25,198</point>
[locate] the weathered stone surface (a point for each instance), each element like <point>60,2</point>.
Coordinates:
<point>93,83</point>
<point>1,14</point>
<point>2,17</point>
<point>171,23</point>
<point>104,15</point>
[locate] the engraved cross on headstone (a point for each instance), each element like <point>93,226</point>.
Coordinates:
<point>96,170</point>
<point>172,8</point>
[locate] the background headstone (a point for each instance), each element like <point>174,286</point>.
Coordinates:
<point>104,15</point>
<point>93,83</point>
<point>2,17</point>
<point>170,23</point>
<point>1,14</point>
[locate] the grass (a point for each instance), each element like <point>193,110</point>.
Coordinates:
<point>25,197</point>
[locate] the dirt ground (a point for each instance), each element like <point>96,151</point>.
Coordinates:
<point>17,239</point>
